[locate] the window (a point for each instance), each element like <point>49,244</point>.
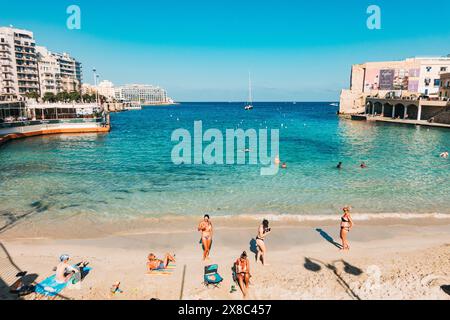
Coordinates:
<point>437,82</point>
<point>429,69</point>
<point>443,69</point>
<point>427,81</point>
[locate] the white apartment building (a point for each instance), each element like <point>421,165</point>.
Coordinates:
<point>430,74</point>
<point>18,63</point>
<point>71,74</point>
<point>144,94</point>
<point>49,72</point>
<point>106,88</point>
<point>58,72</point>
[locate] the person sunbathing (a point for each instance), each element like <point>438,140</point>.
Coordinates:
<point>65,271</point>
<point>242,267</point>
<point>157,264</point>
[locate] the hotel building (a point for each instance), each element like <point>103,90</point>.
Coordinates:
<point>143,94</point>
<point>409,78</point>
<point>18,63</point>
<point>106,88</point>
<point>58,72</point>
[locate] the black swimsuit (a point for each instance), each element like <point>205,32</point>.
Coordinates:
<point>346,221</point>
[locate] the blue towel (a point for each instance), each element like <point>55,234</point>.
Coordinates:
<point>51,288</point>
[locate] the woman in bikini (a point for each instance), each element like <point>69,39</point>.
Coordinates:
<point>157,264</point>
<point>242,268</point>
<point>206,228</point>
<point>263,231</point>
<point>346,225</point>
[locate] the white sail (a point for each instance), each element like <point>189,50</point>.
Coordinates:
<point>249,106</point>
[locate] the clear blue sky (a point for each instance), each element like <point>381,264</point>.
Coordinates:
<point>202,50</point>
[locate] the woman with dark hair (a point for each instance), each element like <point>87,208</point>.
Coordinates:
<point>263,231</point>
<point>206,228</point>
<point>242,267</point>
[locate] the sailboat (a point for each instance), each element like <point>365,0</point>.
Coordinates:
<point>249,106</point>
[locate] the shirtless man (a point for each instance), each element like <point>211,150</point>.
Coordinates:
<point>64,271</point>
<point>156,264</point>
<point>206,228</point>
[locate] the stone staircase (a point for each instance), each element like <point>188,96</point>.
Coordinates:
<point>442,117</point>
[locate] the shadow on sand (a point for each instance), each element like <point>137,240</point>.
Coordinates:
<point>327,237</point>
<point>446,289</point>
<point>15,283</point>
<point>315,265</point>
<point>254,247</point>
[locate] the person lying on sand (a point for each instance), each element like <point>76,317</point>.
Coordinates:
<point>65,271</point>
<point>242,267</point>
<point>156,264</point>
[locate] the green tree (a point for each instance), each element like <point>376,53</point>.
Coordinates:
<point>74,96</point>
<point>49,97</point>
<point>87,98</point>
<point>32,95</point>
<point>62,96</point>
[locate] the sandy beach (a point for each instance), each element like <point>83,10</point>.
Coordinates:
<point>389,259</point>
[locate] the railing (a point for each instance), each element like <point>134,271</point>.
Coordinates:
<point>16,124</point>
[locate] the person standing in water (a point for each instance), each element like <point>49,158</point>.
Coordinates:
<point>263,231</point>
<point>206,228</point>
<point>346,225</point>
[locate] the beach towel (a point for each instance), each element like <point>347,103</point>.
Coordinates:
<point>163,272</point>
<point>212,277</point>
<point>51,288</point>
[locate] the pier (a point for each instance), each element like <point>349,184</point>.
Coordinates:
<point>20,120</point>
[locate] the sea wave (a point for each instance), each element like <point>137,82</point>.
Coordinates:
<point>355,216</point>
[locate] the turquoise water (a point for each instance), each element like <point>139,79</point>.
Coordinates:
<point>129,173</point>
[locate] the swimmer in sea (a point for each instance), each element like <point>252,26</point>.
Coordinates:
<point>339,166</point>
<point>363,165</point>
<point>284,165</point>
<point>444,155</point>
<point>206,228</point>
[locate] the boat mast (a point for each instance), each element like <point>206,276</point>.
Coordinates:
<point>250,97</point>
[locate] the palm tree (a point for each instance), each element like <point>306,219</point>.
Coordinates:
<point>49,97</point>
<point>62,96</point>
<point>32,95</point>
<point>74,96</point>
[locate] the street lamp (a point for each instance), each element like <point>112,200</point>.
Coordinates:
<point>96,77</point>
